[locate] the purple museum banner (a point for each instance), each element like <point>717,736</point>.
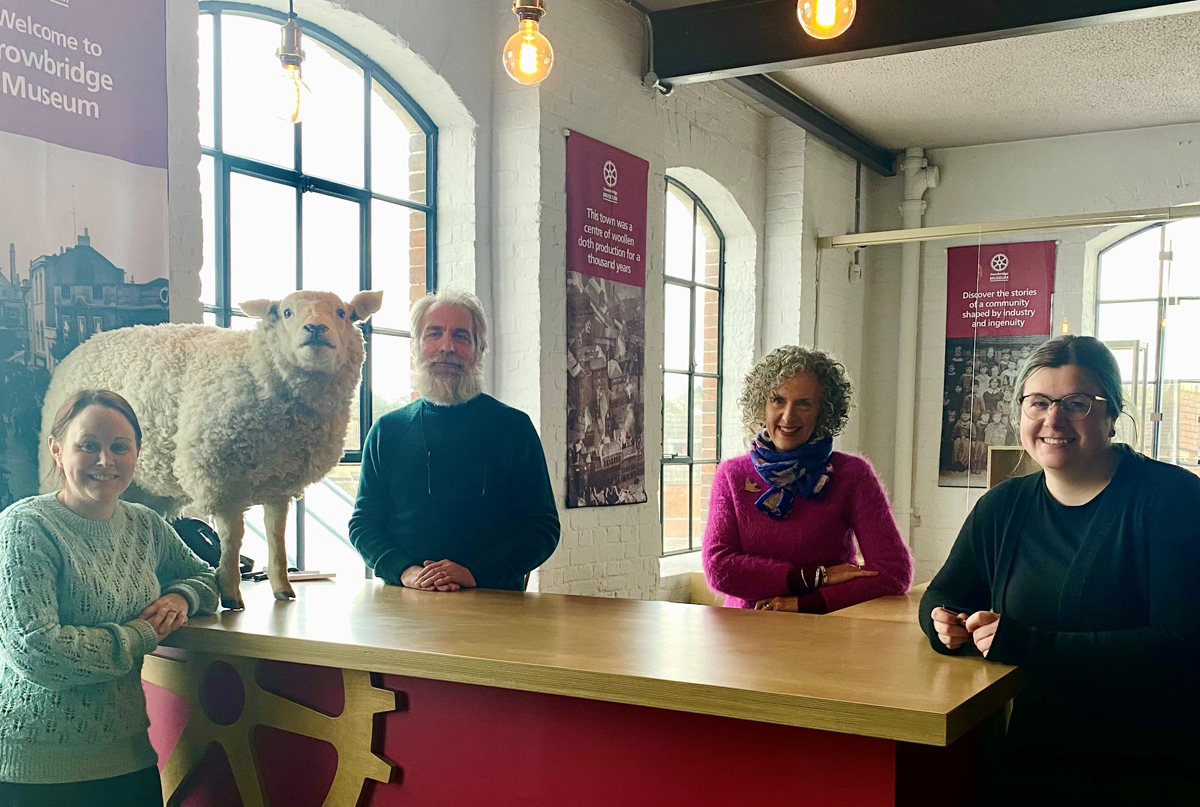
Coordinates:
<point>87,74</point>
<point>83,195</point>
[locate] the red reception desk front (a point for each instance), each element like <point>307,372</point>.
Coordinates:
<point>364,695</point>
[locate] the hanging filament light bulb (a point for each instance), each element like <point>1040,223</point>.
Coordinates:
<point>825,19</point>
<point>292,95</point>
<point>528,56</point>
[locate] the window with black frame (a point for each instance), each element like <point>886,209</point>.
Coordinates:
<point>1148,313</point>
<point>692,279</point>
<point>341,201</point>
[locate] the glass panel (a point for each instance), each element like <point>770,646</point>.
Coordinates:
<point>704,422</point>
<point>1120,322</point>
<point>397,149</point>
<point>677,323</point>
<point>250,84</point>
<point>210,318</point>
<point>240,323</point>
<point>330,240</point>
<point>208,225</point>
<point>207,101</point>
<point>254,543</point>
<point>1129,270</point>
<point>1179,434</point>
<point>1129,329</point>
<point>675,414</point>
<point>1183,241</point>
<point>708,321</point>
<point>679,234</point>
<point>262,233</point>
<point>702,477</point>
<point>353,439</point>
<point>391,382</point>
<point>327,508</point>
<point>332,131</point>
<point>708,251</point>
<point>397,261</point>
<point>675,508</point>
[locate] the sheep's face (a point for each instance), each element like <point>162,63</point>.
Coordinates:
<point>316,330</point>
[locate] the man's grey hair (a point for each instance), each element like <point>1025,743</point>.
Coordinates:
<point>463,299</point>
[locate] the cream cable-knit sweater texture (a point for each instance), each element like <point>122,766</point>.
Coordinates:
<point>71,643</point>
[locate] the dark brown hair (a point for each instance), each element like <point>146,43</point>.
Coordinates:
<point>93,397</point>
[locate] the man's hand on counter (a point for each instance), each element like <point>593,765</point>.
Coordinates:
<point>438,575</point>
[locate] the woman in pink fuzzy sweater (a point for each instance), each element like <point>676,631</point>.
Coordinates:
<point>784,519</point>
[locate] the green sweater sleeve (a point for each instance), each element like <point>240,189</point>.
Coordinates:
<point>181,572</point>
<point>519,545</point>
<point>41,650</point>
<point>372,508</point>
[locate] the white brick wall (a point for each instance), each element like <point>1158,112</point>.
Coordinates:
<point>784,237</point>
<point>711,142</point>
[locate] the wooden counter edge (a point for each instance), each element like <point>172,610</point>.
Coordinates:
<point>889,723</point>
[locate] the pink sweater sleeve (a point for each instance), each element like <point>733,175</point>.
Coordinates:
<point>883,549</point>
<point>729,570</point>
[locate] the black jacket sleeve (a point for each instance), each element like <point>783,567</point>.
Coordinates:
<point>1171,642</point>
<point>964,582</point>
<point>369,521</point>
<point>515,547</point>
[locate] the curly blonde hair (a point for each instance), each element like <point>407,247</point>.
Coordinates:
<point>782,364</point>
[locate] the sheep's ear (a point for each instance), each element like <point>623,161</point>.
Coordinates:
<point>364,304</point>
<point>259,308</point>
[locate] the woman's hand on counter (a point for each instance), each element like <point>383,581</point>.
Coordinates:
<point>951,628</point>
<point>166,614</point>
<point>844,573</point>
<point>982,625</point>
<point>777,604</point>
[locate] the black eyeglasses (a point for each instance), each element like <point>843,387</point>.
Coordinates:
<point>1075,406</point>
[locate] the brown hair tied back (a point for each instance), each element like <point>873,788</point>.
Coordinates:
<point>1086,352</point>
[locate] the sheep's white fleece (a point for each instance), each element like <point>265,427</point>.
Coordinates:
<point>227,420</point>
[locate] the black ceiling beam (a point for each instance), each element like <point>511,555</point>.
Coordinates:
<point>734,38</point>
<point>786,104</point>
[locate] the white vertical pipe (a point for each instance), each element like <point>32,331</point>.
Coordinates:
<point>918,177</point>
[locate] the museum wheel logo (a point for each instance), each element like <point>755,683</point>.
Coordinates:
<point>999,267</point>
<point>609,192</point>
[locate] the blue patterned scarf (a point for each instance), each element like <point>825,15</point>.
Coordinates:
<point>805,471</point>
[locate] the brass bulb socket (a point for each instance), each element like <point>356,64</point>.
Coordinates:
<point>290,54</point>
<point>529,9</point>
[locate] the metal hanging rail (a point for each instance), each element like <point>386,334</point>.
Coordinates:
<point>1012,226</point>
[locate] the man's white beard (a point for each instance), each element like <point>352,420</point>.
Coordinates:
<point>445,389</point>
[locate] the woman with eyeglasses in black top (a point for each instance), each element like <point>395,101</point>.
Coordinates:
<point>1086,575</point>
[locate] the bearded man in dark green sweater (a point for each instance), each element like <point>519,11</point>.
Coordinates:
<point>454,491</point>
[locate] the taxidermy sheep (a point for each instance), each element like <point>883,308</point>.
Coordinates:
<point>231,419</point>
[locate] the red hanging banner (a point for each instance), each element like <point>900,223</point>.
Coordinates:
<point>606,211</point>
<point>606,324</point>
<point>997,312</point>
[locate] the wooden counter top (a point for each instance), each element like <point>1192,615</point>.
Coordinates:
<point>858,676</point>
<point>901,608</point>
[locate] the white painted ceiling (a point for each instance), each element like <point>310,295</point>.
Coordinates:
<point>1118,76</point>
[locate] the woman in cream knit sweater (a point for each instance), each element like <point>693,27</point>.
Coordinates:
<point>88,585</point>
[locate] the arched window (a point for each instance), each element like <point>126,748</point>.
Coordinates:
<point>1148,313</point>
<point>340,202</point>
<point>693,278</point>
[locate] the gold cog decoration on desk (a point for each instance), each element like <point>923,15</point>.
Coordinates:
<point>350,733</point>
